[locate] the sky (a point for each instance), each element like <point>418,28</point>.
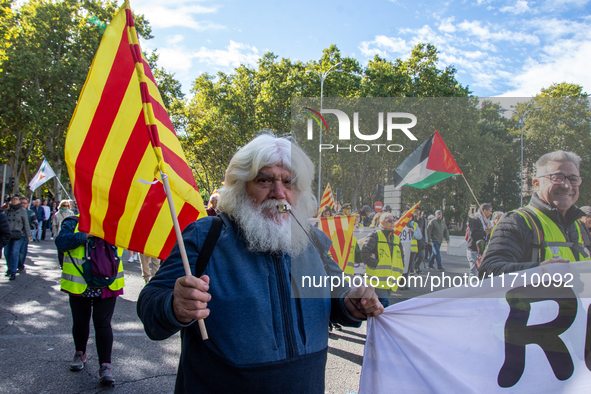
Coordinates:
<point>499,48</point>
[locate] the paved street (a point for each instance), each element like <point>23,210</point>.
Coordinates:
<point>36,346</point>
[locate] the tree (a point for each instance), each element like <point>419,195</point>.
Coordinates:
<point>42,73</point>
<point>562,122</point>
<point>171,92</point>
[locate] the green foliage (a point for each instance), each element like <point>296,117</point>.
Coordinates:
<point>47,46</point>
<point>171,93</point>
<point>560,123</point>
<point>227,110</point>
<point>43,66</point>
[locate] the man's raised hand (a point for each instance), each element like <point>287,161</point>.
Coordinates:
<point>190,298</point>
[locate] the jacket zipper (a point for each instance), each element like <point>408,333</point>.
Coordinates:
<point>285,304</point>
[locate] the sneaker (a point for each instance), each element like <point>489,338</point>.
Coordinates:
<point>431,267</point>
<point>106,375</point>
<point>21,270</point>
<point>12,277</point>
<point>440,269</point>
<point>78,362</point>
<point>8,273</point>
<point>338,327</point>
<point>418,272</point>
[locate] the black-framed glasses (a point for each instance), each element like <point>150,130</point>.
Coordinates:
<point>559,179</point>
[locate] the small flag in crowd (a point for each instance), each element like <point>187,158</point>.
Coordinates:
<point>44,174</point>
<point>327,199</point>
<point>120,134</point>
<point>429,164</point>
<point>340,230</point>
<point>404,219</point>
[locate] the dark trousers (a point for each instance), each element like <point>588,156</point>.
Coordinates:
<point>23,252</point>
<point>102,312</point>
<point>45,225</point>
<point>428,251</point>
<point>12,254</point>
<point>418,259</point>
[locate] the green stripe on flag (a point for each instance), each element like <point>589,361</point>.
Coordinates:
<point>431,180</point>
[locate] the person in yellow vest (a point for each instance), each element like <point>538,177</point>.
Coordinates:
<point>550,216</point>
<point>417,249</point>
<point>354,258</point>
<point>358,223</point>
<point>88,300</point>
<point>384,258</point>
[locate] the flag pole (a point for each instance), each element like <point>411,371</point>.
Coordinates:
<point>181,244</point>
<point>56,177</point>
<point>472,191</point>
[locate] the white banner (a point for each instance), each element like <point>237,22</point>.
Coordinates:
<point>44,174</point>
<point>524,332</point>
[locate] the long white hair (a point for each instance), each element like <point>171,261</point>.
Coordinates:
<point>266,151</point>
<point>262,234</point>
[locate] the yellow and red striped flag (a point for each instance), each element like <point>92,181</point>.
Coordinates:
<point>120,133</point>
<point>404,219</point>
<point>327,199</point>
<point>340,230</point>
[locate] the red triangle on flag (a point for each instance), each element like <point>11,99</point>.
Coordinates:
<point>440,158</point>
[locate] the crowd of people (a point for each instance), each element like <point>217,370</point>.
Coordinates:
<point>261,336</point>
<point>30,223</point>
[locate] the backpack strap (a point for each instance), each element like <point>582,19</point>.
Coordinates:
<point>321,252</point>
<point>538,251</point>
<point>208,246</point>
<point>75,265</point>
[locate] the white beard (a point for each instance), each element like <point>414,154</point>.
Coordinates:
<point>270,232</point>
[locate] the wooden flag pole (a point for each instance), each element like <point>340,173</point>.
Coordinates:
<point>179,238</point>
<point>472,191</point>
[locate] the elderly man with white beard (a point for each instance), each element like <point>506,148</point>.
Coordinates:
<point>267,334</point>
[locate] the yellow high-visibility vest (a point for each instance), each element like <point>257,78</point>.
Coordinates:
<point>72,280</point>
<point>350,266</point>
<point>554,242</point>
<point>414,244</point>
<point>389,264</point>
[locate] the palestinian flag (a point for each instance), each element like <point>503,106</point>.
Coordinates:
<point>429,164</point>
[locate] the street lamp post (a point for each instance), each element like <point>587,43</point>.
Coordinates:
<point>521,119</point>
<point>322,76</point>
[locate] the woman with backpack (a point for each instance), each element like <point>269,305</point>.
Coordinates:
<point>93,277</point>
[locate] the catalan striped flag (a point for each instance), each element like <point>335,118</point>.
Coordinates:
<point>404,219</point>
<point>327,199</point>
<point>120,133</point>
<point>340,230</point>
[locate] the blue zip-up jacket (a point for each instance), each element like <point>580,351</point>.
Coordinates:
<point>39,212</point>
<point>261,339</point>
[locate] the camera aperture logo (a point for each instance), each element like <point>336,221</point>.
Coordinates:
<point>345,130</point>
